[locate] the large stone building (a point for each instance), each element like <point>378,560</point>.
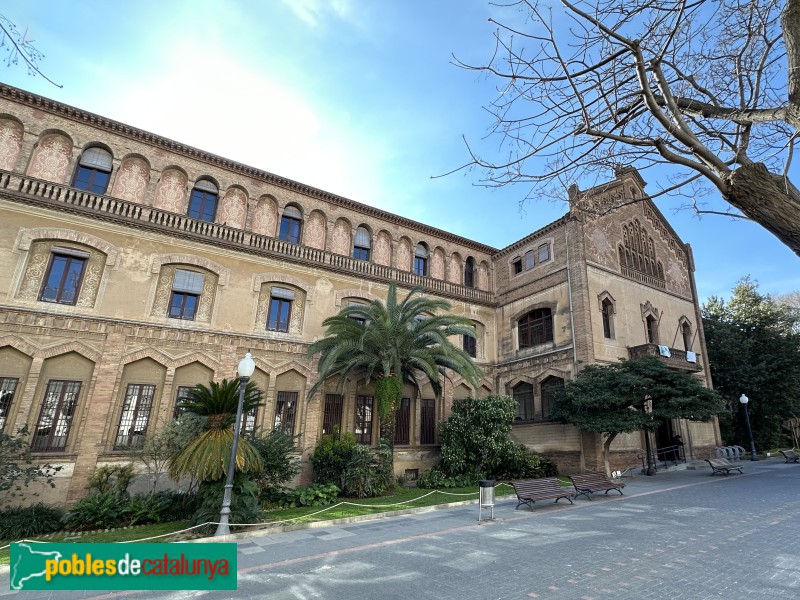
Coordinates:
<point>135,267</point>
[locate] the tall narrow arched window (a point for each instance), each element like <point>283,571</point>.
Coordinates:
<point>421,260</point>
<point>362,244</point>
<point>523,396</point>
<point>469,272</point>
<point>536,328</point>
<point>203,202</point>
<point>608,318</point>
<point>551,387</point>
<point>686,332</point>
<point>94,171</point>
<point>291,225</point>
<point>652,329</point>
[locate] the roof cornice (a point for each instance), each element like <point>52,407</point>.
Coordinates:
<point>77,114</point>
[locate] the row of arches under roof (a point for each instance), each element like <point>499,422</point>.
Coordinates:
<point>96,170</point>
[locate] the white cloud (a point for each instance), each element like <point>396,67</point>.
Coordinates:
<point>312,12</point>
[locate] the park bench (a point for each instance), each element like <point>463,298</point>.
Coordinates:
<point>588,483</point>
<point>790,455</point>
<point>721,465</point>
<point>530,490</point>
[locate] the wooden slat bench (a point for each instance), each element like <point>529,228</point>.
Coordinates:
<point>790,455</point>
<point>588,483</point>
<point>721,465</point>
<point>530,490</point>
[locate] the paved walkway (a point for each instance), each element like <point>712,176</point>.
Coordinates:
<point>680,534</point>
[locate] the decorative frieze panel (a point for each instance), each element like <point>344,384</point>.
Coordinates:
<point>383,249</point>
<point>234,208</point>
<point>454,270</point>
<point>265,218</point>
<point>171,191</point>
<point>314,235</point>
<point>51,158</point>
<point>404,255</point>
<point>437,264</point>
<point>340,241</point>
<point>10,143</point>
<point>131,181</point>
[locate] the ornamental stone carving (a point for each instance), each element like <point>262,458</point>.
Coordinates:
<point>404,255</point>
<point>454,272</point>
<point>483,277</point>
<point>131,181</point>
<point>315,231</point>
<point>383,249</point>
<point>51,158</point>
<point>34,273</point>
<point>265,217</point>
<point>340,239</point>
<point>205,303</point>
<point>234,208</point>
<point>262,310</point>
<point>10,143</point>
<point>171,191</point>
<point>437,264</point>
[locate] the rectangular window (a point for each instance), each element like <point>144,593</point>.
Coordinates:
<point>63,280</point>
<point>427,428</point>
<point>529,260</point>
<point>523,395</point>
<point>332,418</point>
<point>402,422</point>
<point>544,253</point>
<point>180,398</point>
<point>364,419</point>
<point>8,386</point>
<point>55,418</point>
<point>280,309</point>
<point>248,425</point>
<point>290,230</point>
<point>187,287</point>
<point>420,265</point>
<point>183,306</point>
<point>135,415</point>
<point>284,411</point>
<point>470,345</point>
<point>516,266</point>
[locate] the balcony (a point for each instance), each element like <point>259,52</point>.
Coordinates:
<point>64,198</point>
<point>676,359</point>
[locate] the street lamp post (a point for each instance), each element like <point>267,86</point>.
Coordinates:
<point>245,370</point>
<point>744,400</point>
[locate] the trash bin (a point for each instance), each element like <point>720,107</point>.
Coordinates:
<point>486,499</point>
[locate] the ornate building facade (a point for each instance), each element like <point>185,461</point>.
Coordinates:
<point>136,267</point>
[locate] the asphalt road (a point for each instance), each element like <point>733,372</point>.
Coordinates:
<point>681,534</point>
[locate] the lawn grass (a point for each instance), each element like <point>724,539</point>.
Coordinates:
<point>117,535</point>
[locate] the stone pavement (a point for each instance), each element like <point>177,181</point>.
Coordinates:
<point>680,534</point>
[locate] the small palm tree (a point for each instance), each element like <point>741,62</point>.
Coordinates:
<point>394,343</point>
<point>206,457</point>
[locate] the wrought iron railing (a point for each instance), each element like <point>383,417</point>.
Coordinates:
<point>677,358</point>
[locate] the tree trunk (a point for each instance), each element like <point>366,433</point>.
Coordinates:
<point>768,199</point>
<point>387,426</point>
<point>606,451</point>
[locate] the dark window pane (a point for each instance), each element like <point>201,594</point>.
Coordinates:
<point>284,411</point>
<point>427,430</point>
<point>63,279</point>
<point>402,422</point>
<point>469,273</point>
<point>183,306</point>
<point>470,345</point>
<point>420,265</point>
<point>180,398</point>
<point>279,313</point>
<point>332,419</point>
<point>364,419</point>
<point>202,205</point>
<point>360,253</point>
<point>517,266</point>
<point>8,386</point>
<point>290,230</point>
<point>55,418</point>
<point>536,328</point>
<point>523,395</point>
<point>91,180</point>
<point>135,416</point>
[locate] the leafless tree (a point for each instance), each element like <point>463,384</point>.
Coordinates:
<point>710,87</point>
<point>19,46</point>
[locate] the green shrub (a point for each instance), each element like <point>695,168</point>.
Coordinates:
<point>23,522</point>
<point>476,442</point>
<point>354,468</point>
<point>143,509</point>
<point>178,506</point>
<point>275,449</point>
<point>435,479</point>
<point>98,510</point>
<point>332,456</point>
<point>112,478</point>
<point>316,494</point>
<point>245,507</point>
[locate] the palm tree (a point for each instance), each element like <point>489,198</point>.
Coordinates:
<point>206,457</point>
<point>393,344</point>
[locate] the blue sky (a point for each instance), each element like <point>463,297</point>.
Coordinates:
<point>359,98</point>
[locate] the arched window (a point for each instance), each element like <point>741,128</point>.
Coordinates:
<point>362,244</point>
<point>469,273</point>
<point>686,331</point>
<point>523,396</point>
<point>652,329</point>
<point>607,308</point>
<point>291,224</point>
<point>94,171</point>
<point>203,203</point>
<point>421,260</point>
<point>536,328</point>
<point>551,387</point>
